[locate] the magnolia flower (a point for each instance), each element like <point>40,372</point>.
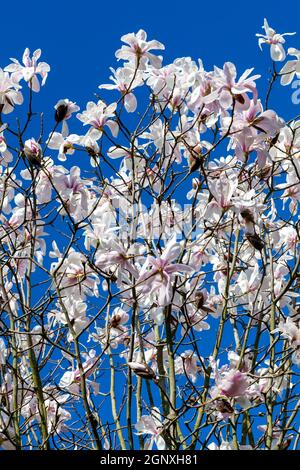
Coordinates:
<point>6,155</point>
<point>152,424</point>
<point>222,189</point>
<point>64,109</point>
<point>63,143</point>
<point>230,381</point>
<point>290,331</point>
<point>116,255</point>
<point>290,68</point>
<point>73,377</point>
<point>231,89</point>
<point>9,92</point>
<point>125,79</point>
<point>141,370</point>
<point>75,277</point>
<point>30,69</point>
<point>156,274</point>
<point>138,49</point>
<point>33,151</point>
<point>233,383</point>
<point>73,191</point>
<point>275,40</point>
<point>98,115</point>
<point>186,364</point>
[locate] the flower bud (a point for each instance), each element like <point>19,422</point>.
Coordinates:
<point>33,152</point>
<point>61,113</point>
<point>255,241</point>
<point>142,370</point>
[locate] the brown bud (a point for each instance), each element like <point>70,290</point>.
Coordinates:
<point>115,320</point>
<point>247,215</point>
<point>224,406</point>
<point>239,98</point>
<point>61,113</point>
<point>194,163</point>
<point>255,241</point>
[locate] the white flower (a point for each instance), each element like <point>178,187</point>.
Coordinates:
<point>30,69</point>
<point>98,115</point>
<point>138,49</point>
<point>125,80</point>
<point>9,93</point>
<point>275,40</point>
<point>152,424</point>
<point>291,68</point>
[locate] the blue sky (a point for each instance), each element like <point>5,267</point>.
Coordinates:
<point>78,39</point>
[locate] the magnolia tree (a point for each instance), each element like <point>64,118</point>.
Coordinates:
<point>150,263</point>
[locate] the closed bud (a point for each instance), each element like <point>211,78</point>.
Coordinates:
<point>61,113</point>
<point>142,370</point>
<point>33,152</point>
<point>247,215</point>
<point>194,163</point>
<point>255,241</point>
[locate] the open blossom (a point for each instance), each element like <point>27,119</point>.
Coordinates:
<point>74,277</point>
<point>98,115</point>
<point>125,80</point>
<point>152,424</point>
<point>63,142</point>
<point>290,331</point>
<point>275,40</point>
<point>232,89</point>
<point>71,379</point>
<point>30,69</point>
<point>157,273</point>
<point>6,155</point>
<point>187,364</point>
<point>291,67</point>
<point>116,255</point>
<point>137,50</point>
<point>9,92</point>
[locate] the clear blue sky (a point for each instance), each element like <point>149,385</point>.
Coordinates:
<point>78,39</point>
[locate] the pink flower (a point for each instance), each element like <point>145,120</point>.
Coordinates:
<point>231,89</point>
<point>186,364</point>
<point>156,274</point>
<point>152,424</point>
<point>233,383</point>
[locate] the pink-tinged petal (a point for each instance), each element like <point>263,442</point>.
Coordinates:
<point>130,103</point>
<point>225,99</point>
<point>177,267</point>
<point>160,443</point>
<point>155,45</point>
<point>113,126</point>
<point>25,59</point>
<point>35,84</point>
<point>277,52</point>
<point>154,60</point>
<point>12,68</point>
